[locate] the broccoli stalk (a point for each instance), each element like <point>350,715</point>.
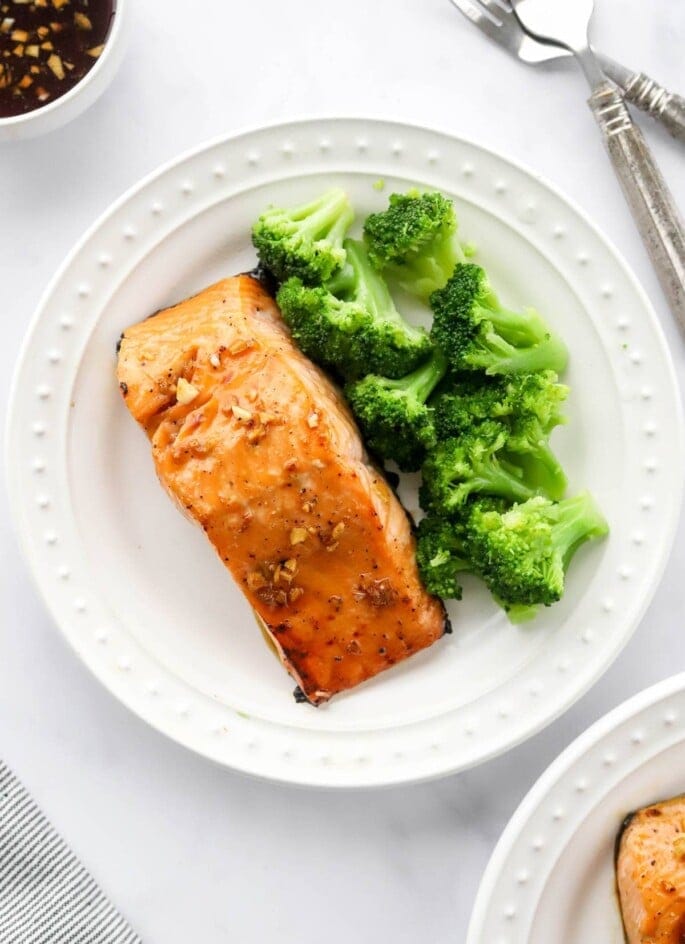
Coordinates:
<point>393,415</point>
<point>305,241</point>
<point>352,324</point>
<point>474,464</point>
<point>534,409</point>
<point>415,241</point>
<point>367,288</point>
<point>518,612</point>
<point>441,557</point>
<point>523,553</point>
<point>476,333</point>
<point>541,468</point>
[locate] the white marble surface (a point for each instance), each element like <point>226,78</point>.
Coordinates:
<point>187,850</point>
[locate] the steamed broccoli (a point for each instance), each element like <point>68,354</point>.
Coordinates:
<point>523,553</point>
<point>415,241</point>
<point>393,415</point>
<point>351,324</point>
<point>441,556</point>
<point>529,407</point>
<point>305,241</point>
<point>474,464</point>
<point>476,333</point>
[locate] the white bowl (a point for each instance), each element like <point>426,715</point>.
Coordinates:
<point>82,95</point>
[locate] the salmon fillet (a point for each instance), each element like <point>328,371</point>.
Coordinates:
<point>650,870</point>
<point>256,445</point>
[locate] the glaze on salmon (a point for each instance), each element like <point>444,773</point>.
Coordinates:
<point>256,445</point>
<point>650,871</point>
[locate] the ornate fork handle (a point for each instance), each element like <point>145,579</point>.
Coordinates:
<point>645,189</point>
<point>655,100</point>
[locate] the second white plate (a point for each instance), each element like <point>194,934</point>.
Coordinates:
<point>143,599</point>
<point>551,877</point>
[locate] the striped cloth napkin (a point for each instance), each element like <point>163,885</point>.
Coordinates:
<point>46,895</point>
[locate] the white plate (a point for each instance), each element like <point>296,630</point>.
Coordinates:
<point>551,877</point>
<point>145,602</point>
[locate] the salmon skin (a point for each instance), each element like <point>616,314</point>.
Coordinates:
<point>257,446</point>
<point>650,873</point>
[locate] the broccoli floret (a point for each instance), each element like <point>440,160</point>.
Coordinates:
<point>476,333</point>
<point>473,464</point>
<point>523,553</point>
<point>393,414</point>
<point>471,399</point>
<point>305,241</point>
<point>415,241</point>
<point>441,556</point>
<point>529,405</point>
<point>538,396</point>
<point>327,329</point>
<point>352,324</point>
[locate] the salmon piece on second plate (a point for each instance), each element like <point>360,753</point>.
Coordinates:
<point>650,870</point>
<point>257,446</point>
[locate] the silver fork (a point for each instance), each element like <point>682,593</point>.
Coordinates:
<point>498,20</point>
<point>565,24</point>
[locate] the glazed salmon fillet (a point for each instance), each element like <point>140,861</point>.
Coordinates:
<point>650,870</point>
<point>257,446</point>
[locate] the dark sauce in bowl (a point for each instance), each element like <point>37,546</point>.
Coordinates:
<point>47,47</point>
